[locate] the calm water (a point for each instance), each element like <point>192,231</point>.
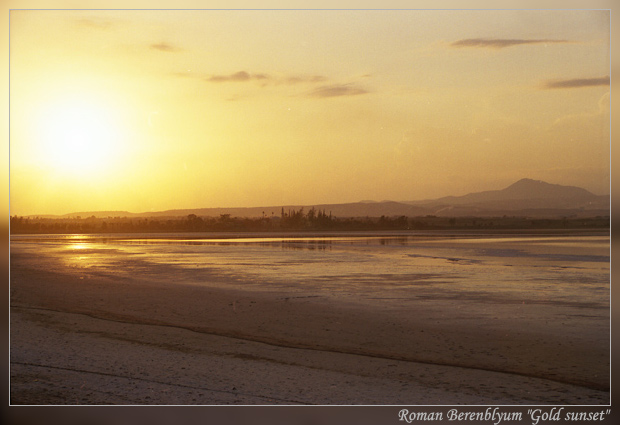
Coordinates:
<point>559,270</point>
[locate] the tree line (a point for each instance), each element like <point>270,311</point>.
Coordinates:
<point>297,220</point>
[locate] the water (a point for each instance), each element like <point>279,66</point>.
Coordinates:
<point>560,270</point>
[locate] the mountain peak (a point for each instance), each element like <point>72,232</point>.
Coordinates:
<point>529,188</point>
<point>529,182</point>
<point>525,194</point>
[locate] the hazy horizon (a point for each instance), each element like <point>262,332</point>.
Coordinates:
<point>294,206</point>
<point>153,110</point>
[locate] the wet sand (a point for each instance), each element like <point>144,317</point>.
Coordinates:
<point>91,339</point>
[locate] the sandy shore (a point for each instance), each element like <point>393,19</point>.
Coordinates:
<point>100,340</point>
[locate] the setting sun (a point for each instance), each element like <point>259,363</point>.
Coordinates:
<point>79,135</point>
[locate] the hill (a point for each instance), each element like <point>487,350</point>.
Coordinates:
<point>525,198</point>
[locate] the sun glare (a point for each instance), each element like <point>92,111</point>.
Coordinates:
<point>80,136</point>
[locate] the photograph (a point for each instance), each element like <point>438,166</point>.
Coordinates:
<point>311,207</point>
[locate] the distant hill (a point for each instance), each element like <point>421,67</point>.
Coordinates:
<point>97,214</point>
<point>526,191</point>
<point>533,196</point>
<point>356,209</point>
<point>525,198</point>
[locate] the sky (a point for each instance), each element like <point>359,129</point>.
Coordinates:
<point>149,110</point>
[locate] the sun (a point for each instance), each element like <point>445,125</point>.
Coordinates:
<point>80,135</point>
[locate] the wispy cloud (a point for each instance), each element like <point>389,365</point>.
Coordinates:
<point>96,23</point>
<point>576,83</point>
<point>244,76</point>
<point>317,83</point>
<point>500,43</point>
<point>336,90</point>
<point>164,47</point>
<point>237,77</point>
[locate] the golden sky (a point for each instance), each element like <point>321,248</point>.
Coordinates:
<point>148,110</point>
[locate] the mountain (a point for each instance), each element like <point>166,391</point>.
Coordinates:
<point>527,190</point>
<point>525,198</point>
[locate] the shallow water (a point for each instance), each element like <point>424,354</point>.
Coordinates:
<point>553,270</point>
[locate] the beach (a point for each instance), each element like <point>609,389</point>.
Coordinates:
<point>104,335</point>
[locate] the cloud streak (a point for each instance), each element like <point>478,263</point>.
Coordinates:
<point>337,90</point>
<point>244,76</point>
<point>164,47</point>
<point>500,43</point>
<point>97,23</point>
<point>237,77</point>
<point>576,83</point>
<point>320,90</point>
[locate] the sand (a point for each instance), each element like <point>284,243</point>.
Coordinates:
<point>101,340</point>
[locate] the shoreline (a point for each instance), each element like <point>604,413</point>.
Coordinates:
<point>467,358</point>
<point>233,234</point>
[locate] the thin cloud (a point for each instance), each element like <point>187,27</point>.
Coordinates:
<point>500,43</point>
<point>97,23</point>
<point>237,77</point>
<point>244,76</point>
<point>337,90</point>
<point>164,47</point>
<point>576,83</point>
